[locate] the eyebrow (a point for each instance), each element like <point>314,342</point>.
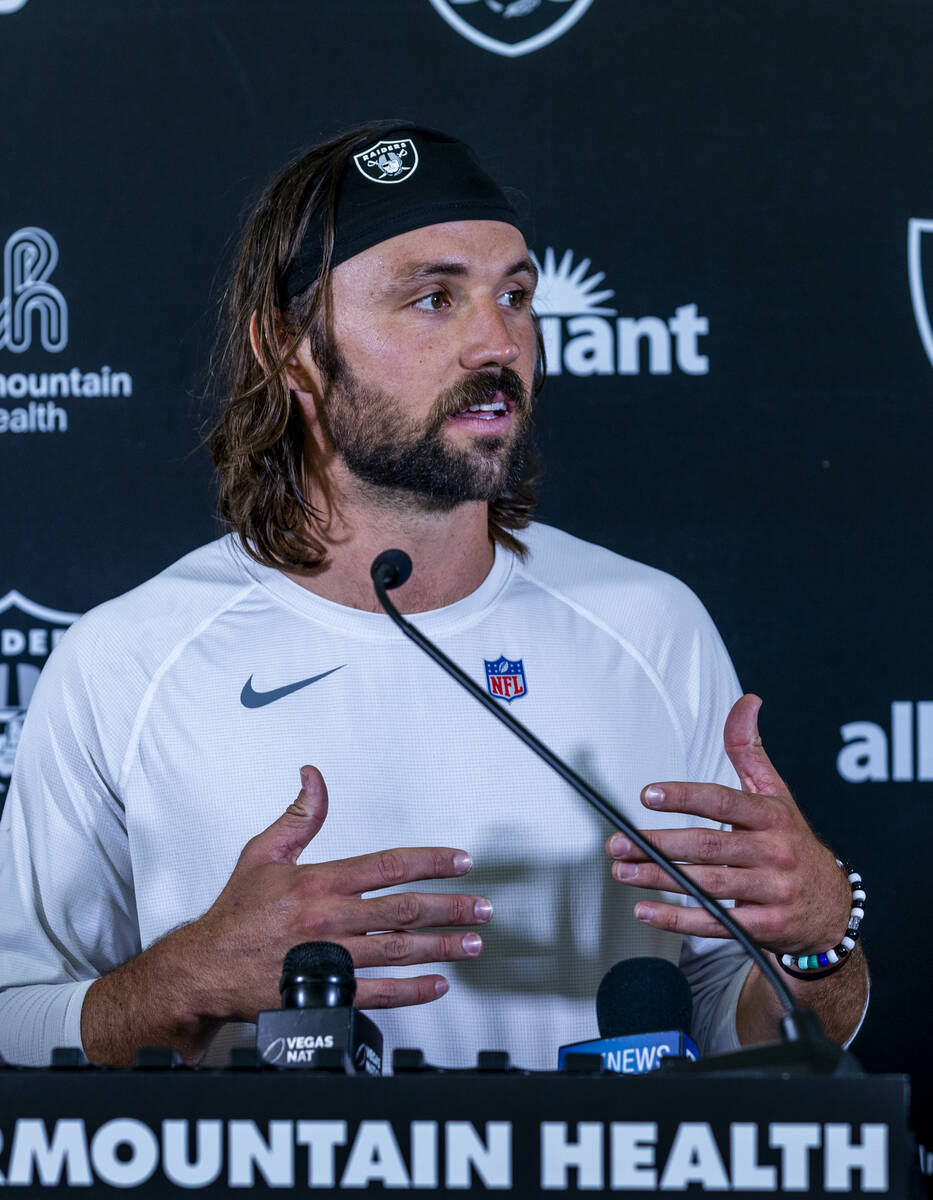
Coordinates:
<point>431,270</point>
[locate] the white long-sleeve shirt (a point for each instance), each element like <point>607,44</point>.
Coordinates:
<point>143,770</point>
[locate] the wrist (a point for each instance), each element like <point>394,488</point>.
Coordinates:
<point>814,964</point>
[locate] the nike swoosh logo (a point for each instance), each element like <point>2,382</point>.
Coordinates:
<point>250,698</point>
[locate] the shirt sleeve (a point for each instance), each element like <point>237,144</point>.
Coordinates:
<point>66,888</point>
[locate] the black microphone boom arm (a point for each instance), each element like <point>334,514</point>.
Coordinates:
<point>391,569</point>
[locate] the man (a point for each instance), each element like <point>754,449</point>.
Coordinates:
<point>382,362</point>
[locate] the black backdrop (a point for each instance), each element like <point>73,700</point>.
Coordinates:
<point>749,407</point>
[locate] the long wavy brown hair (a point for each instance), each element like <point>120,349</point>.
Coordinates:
<point>258,445</point>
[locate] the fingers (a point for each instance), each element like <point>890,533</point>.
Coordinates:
<point>689,922</point>
<point>746,753</point>
<point>724,805</point>
<point>399,993</point>
<point>403,948</point>
<point>388,868</point>
<point>702,846</point>
<point>287,836</point>
<point>724,883</point>
<point>413,910</point>
<point>766,923</point>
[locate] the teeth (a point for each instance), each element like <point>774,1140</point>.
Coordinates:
<point>496,406</point>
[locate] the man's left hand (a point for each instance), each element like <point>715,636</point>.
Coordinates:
<point>789,893</point>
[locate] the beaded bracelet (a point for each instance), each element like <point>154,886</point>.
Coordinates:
<point>812,967</point>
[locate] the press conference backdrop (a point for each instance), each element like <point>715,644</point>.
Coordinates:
<point>734,211</point>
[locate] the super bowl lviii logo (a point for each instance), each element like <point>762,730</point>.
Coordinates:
<point>34,320</point>
<point>28,634</point>
<point>511,27</point>
<point>917,245</point>
<point>584,336</point>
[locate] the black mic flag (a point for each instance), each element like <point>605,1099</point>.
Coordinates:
<point>317,1014</point>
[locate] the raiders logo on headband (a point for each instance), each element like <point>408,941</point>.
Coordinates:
<point>388,161</point>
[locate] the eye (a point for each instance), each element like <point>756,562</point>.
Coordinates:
<point>515,297</point>
<point>435,302</point>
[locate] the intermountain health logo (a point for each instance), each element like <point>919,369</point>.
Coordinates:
<point>916,242</point>
<point>511,27</point>
<point>34,314</point>
<point>29,632</point>
<point>584,337</point>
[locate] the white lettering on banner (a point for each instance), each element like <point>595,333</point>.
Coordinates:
<point>559,1154</point>
<point>583,338</point>
<point>33,641</point>
<point>424,1154</point>
<point>30,305</point>
<point>795,1141</point>
<point>694,1158</point>
<point>634,1145</point>
<point>248,1149</point>
<point>322,1139</point>
<point>870,755</point>
<point>375,1158</point>
<point>37,418</point>
<point>843,1157</point>
<point>34,1157</point>
<point>208,1153</point>
<point>73,382</point>
<point>117,1170</point>
<point>467,1152</point>
<point>126,1153</point>
<point>747,1171</point>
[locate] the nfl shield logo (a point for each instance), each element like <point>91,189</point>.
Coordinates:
<point>505,678</point>
<point>388,161</point>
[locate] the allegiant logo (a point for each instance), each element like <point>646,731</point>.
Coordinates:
<point>584,337</point>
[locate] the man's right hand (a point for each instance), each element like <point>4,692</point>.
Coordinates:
<point>226,965</point>
<point>270,904</point>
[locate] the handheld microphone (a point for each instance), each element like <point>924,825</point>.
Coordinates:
<point>317,1014</point>
<point>643,1009</point>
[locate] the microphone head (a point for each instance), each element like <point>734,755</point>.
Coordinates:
<point>317,975</point>
<point>392,568</point>
<point>643,995</point>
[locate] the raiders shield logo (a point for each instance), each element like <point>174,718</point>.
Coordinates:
<point>511,27</point>
<point>28,634</point>
<point>388,162</point>
<point>916,245</point>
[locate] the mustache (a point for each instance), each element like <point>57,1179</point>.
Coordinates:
<point>481,388</point>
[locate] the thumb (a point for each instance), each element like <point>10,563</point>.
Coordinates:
<point>746,753</point>
<point>288,835</point>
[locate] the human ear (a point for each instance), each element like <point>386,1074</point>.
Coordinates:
<point>300,369</point>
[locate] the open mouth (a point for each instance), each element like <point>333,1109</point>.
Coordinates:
<point>489,411</point>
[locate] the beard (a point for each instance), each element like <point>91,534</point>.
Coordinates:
<point>412,467</point>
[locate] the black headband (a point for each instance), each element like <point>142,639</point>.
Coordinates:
<point>407,178</point>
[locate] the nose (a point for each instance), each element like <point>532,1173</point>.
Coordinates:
<point>489,340</point>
